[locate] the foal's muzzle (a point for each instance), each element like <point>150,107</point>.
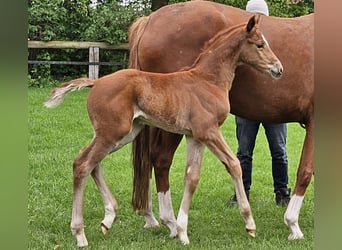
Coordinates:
<point>276,70</point>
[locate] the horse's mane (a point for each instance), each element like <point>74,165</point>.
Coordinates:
<point>215,42</point>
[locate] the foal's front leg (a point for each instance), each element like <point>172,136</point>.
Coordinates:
<point>192,174</point>
<point>216,144</point>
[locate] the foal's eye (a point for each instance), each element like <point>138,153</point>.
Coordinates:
<point>260,46</point>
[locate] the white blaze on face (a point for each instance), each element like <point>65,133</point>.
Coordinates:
<point>264,38</point>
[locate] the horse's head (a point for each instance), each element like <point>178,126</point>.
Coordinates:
<point>257,52</point>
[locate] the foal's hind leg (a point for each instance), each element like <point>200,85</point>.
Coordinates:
<point>110,204</point>
<point>84,164</point>
<point>216,144</point>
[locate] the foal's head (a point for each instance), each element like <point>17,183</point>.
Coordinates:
<point>256,51</point>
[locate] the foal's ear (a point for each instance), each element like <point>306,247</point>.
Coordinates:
<point>251,23</point>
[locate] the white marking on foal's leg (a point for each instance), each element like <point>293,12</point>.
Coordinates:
<point>166,212</point>
<point>291,217</point>
<point>244,207</point>
<point>182,227</point>
<point>150,219</point>
<point>110,204</point>
<point>107,222</point>
<point>80,237</point>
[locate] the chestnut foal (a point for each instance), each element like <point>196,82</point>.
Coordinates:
<point>122,103</point>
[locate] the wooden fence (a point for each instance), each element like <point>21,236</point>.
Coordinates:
<point>94,52</point>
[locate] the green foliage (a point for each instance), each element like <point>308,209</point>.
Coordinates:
<point>46,19</point>
<point>288,8</point>
<point>107,21</point>
<point>111,20</point>
<point>40,74</point>
<point>283,8</point>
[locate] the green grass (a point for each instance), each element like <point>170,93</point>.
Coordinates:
<point>57,135</point>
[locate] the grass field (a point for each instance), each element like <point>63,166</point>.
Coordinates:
<point>55,138</point>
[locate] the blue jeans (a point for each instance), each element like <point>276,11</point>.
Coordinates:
<point>246,132</point>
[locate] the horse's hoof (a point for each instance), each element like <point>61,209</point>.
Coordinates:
<point>298,236</point>
<point>173,234</point>
<point>81,240</point>
<point>251,232</point>
<point>104,229</point>
<point>184,238</point>
<point>147,225</point>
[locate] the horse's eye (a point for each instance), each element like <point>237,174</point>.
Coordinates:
<point>260,46</point>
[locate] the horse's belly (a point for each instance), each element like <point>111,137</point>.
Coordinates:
<point>175,125</point>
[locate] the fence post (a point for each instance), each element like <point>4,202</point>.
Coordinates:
<point>94,56</point>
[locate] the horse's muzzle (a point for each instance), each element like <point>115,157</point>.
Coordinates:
<point>276,70</point>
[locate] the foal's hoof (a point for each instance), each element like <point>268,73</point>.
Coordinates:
<point>151,225</point>
<point>104,229</point>
<point>251,232</point>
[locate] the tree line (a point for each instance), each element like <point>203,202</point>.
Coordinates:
<point>103,21</point>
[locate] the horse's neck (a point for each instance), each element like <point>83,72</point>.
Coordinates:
<point>219,63</point>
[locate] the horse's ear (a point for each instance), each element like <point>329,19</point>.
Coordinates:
<point>250,24</point>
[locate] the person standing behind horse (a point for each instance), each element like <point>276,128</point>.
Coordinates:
<point>246,132</point>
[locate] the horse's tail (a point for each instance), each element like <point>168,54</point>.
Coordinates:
<point>57,94</point>
<point>135,32</point>
<point>140,147</point>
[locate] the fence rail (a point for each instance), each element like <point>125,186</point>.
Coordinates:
<point>94,51</point>
<point>74,63</point>
<point>76,45</point>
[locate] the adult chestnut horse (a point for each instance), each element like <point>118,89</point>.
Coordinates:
<point>171,38</point>
<point>193,102</point>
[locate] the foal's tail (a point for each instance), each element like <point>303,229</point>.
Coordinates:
<point>57,94</point>
<point>140,147</point>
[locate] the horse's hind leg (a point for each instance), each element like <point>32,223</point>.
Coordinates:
<point>163,147</point>
<point>216,144</point>
<point>84,164</point>
<point>304,174</point>
<point>110,204</point>
<point>194,153</point>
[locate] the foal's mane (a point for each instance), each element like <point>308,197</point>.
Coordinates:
<point>216,41</point>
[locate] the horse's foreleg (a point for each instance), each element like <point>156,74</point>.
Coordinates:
<point>304,175</point>
<point>110,204</point>
<point>219,147</point>
<point>163,147</point>
<point>192,174</point>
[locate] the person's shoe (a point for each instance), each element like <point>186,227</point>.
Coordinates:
<point>282,196</point>
<point>233,200</point>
